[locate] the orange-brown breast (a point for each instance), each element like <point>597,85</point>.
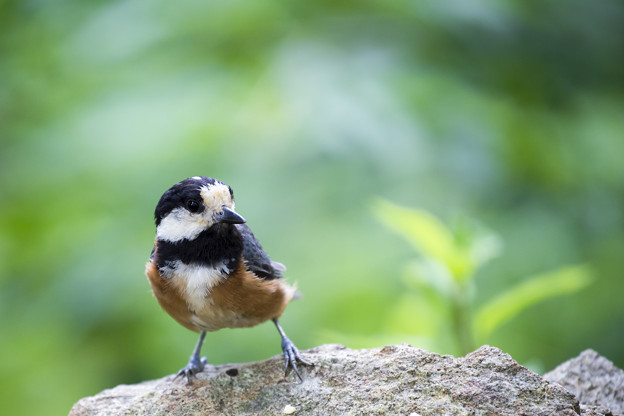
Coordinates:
<point>169,298</point>
<point>244,300</point>
<point>241,300</point>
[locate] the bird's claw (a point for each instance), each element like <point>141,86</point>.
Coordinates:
<point>194,366</point>
<point>291,356</point>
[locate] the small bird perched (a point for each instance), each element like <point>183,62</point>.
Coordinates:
<point>208,271</point>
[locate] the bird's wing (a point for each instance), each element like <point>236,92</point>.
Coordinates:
<point>256,259</point>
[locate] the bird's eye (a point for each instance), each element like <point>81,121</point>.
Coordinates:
<point>192,205</point>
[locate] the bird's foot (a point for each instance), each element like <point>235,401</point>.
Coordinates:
<point>194,366</point>
<point>291,356</point>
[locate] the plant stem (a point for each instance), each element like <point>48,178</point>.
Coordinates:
<point>462,330</point>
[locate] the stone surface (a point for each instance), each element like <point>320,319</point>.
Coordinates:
<point>590,410</point>
<point>398,380</point>
<point>593,379</point>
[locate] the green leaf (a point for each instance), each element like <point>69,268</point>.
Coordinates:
<point>427,234</point>
<point>485,247</point>
<point>421,313</point>
<point>424,274</point>
<point>536,289</point>
<point>481,243</point>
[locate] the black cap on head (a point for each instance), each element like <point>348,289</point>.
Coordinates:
<point>180,193</point>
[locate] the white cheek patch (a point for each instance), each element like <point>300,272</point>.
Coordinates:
<point>180,224</point>
<point>215,196</point>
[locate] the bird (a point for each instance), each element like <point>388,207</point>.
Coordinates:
<point>208,271</point>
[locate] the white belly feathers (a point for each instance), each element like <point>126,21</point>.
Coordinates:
<point>196,280</point>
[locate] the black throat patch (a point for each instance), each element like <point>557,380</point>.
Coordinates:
<point>221,244</point>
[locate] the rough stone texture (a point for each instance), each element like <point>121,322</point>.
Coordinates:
<point>590,410</point>
<point>593,379</point>
<point>398,380</point>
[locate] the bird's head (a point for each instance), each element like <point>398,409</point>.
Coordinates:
<point>192,206</point>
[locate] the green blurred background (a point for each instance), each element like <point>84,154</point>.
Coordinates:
<point>509,113</point>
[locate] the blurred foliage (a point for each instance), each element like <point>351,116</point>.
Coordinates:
<point>509,112</point>
<point>535,289</point>
<point>444,279</point>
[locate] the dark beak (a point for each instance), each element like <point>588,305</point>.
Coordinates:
<point>229,217</point>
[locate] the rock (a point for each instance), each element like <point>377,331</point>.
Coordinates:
<point>589,410</point>
<point>398,380</point>
<point>593,379</point>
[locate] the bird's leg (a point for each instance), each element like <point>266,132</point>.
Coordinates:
<point>291,353</point>
<point>195,364</point>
